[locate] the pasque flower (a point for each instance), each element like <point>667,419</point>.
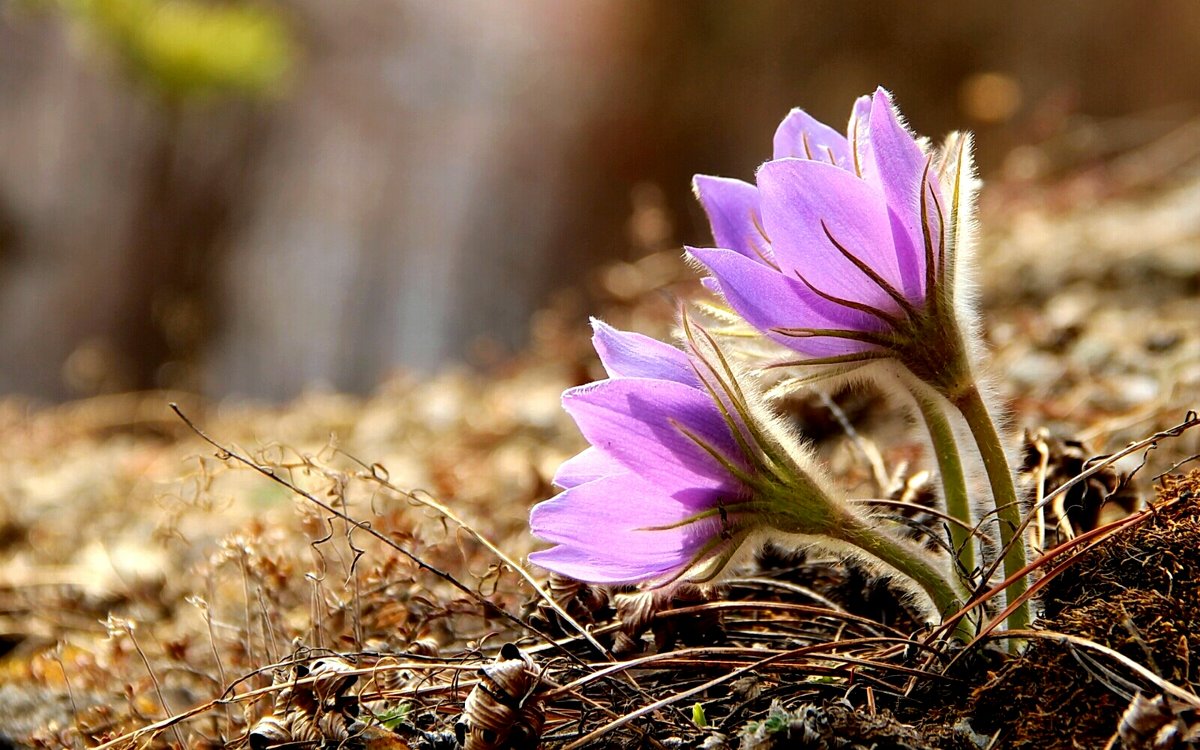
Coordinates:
<point>844,249</point>
<point>662,488</point>
<point>847,251</point>
<point>683,469</point>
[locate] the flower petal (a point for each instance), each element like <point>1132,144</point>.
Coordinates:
<point>768,299</point>
<point>594,567</point>
<point>624,515</point>
<point>897,166</point>
<point>858,132</point>
<point>587,466</point>
<point>802,136</point>
<point>632,355</point>
<point>800,200</point>
<point>608,531</point>
<point>732,208</point>
<point>640,423</point>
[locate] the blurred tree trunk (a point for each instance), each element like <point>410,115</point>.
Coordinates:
<point>179,229</point>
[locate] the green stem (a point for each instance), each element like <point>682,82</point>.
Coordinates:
<point>954,484</point>
<point>1004,494</point>
<point>908,562</point>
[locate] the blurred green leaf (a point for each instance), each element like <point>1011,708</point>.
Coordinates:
<point>189,49</point>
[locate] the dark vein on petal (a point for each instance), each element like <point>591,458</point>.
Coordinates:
<point>730,422</point>
<point>762,255</point>
<point>955,208</point>
<point>722,509</point>
<point>937,204</point>
<point>754,219</point>
<point>870,273</point>
<point>764,458</point>
<point>854,143</point>
<point>837,333</point>
<point>930,279</point>
<point>754,245</point>
<point>886,317</point>
<point>840,359</point>
<point>735,471</point>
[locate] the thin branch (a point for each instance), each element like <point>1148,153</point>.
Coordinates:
<point>224,453</point>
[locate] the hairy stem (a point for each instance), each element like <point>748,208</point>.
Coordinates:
<point>909,562</point>
<point>1004,494</point>
<point>954,483</point>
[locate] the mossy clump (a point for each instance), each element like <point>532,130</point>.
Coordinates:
<point>1137,593</point>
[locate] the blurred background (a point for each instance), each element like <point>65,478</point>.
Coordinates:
<point>252,198</point>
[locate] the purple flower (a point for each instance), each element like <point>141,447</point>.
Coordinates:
<point>659,492</point>
<point>684,467</point>
<point>843,250</point>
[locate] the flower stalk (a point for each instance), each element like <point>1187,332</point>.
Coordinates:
<point>1008,512</point>
<point>954,483</point>
<point>944,595</point>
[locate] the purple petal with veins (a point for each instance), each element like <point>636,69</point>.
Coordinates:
<point>767,300</point>
<point>642,503</point>
<point>588,465</point>
<point>732,208</point>
<point>805,203</point>
<point>632,355</point>
<point>644,425</point>
<point>801,136</point>
<point>897,167</point>
<point>611,515</point>
<point>607,567</point>
<point>858,133</point>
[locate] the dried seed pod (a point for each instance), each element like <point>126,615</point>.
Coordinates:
<point>585,602</point>
<point>291,696</point>
<point>386,677</point>
<point>581,600</point>
<point>1049,463</point>
<point>426,646</point>
<point>332,678</point>
<point>563,588</point>
<point>636,609</point>
<point>1158,724</point>
<point>503,712</point>
<point>333,727</point>
<point>303,727</point>
<point>916,490</point>
<point>269,731</point>
<point>309,712</point>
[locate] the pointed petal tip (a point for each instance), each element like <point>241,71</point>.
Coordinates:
<point>626,354</point>
<point>579,391</point>
<point>700,184</point>
<point>699,180</point>
<point>599,328</point>
<point>703,257</point>
<point>884,98</point>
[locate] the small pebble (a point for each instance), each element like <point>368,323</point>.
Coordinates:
<point>1163,341</point>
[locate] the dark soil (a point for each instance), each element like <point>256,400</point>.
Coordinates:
<point>1138,593</point>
